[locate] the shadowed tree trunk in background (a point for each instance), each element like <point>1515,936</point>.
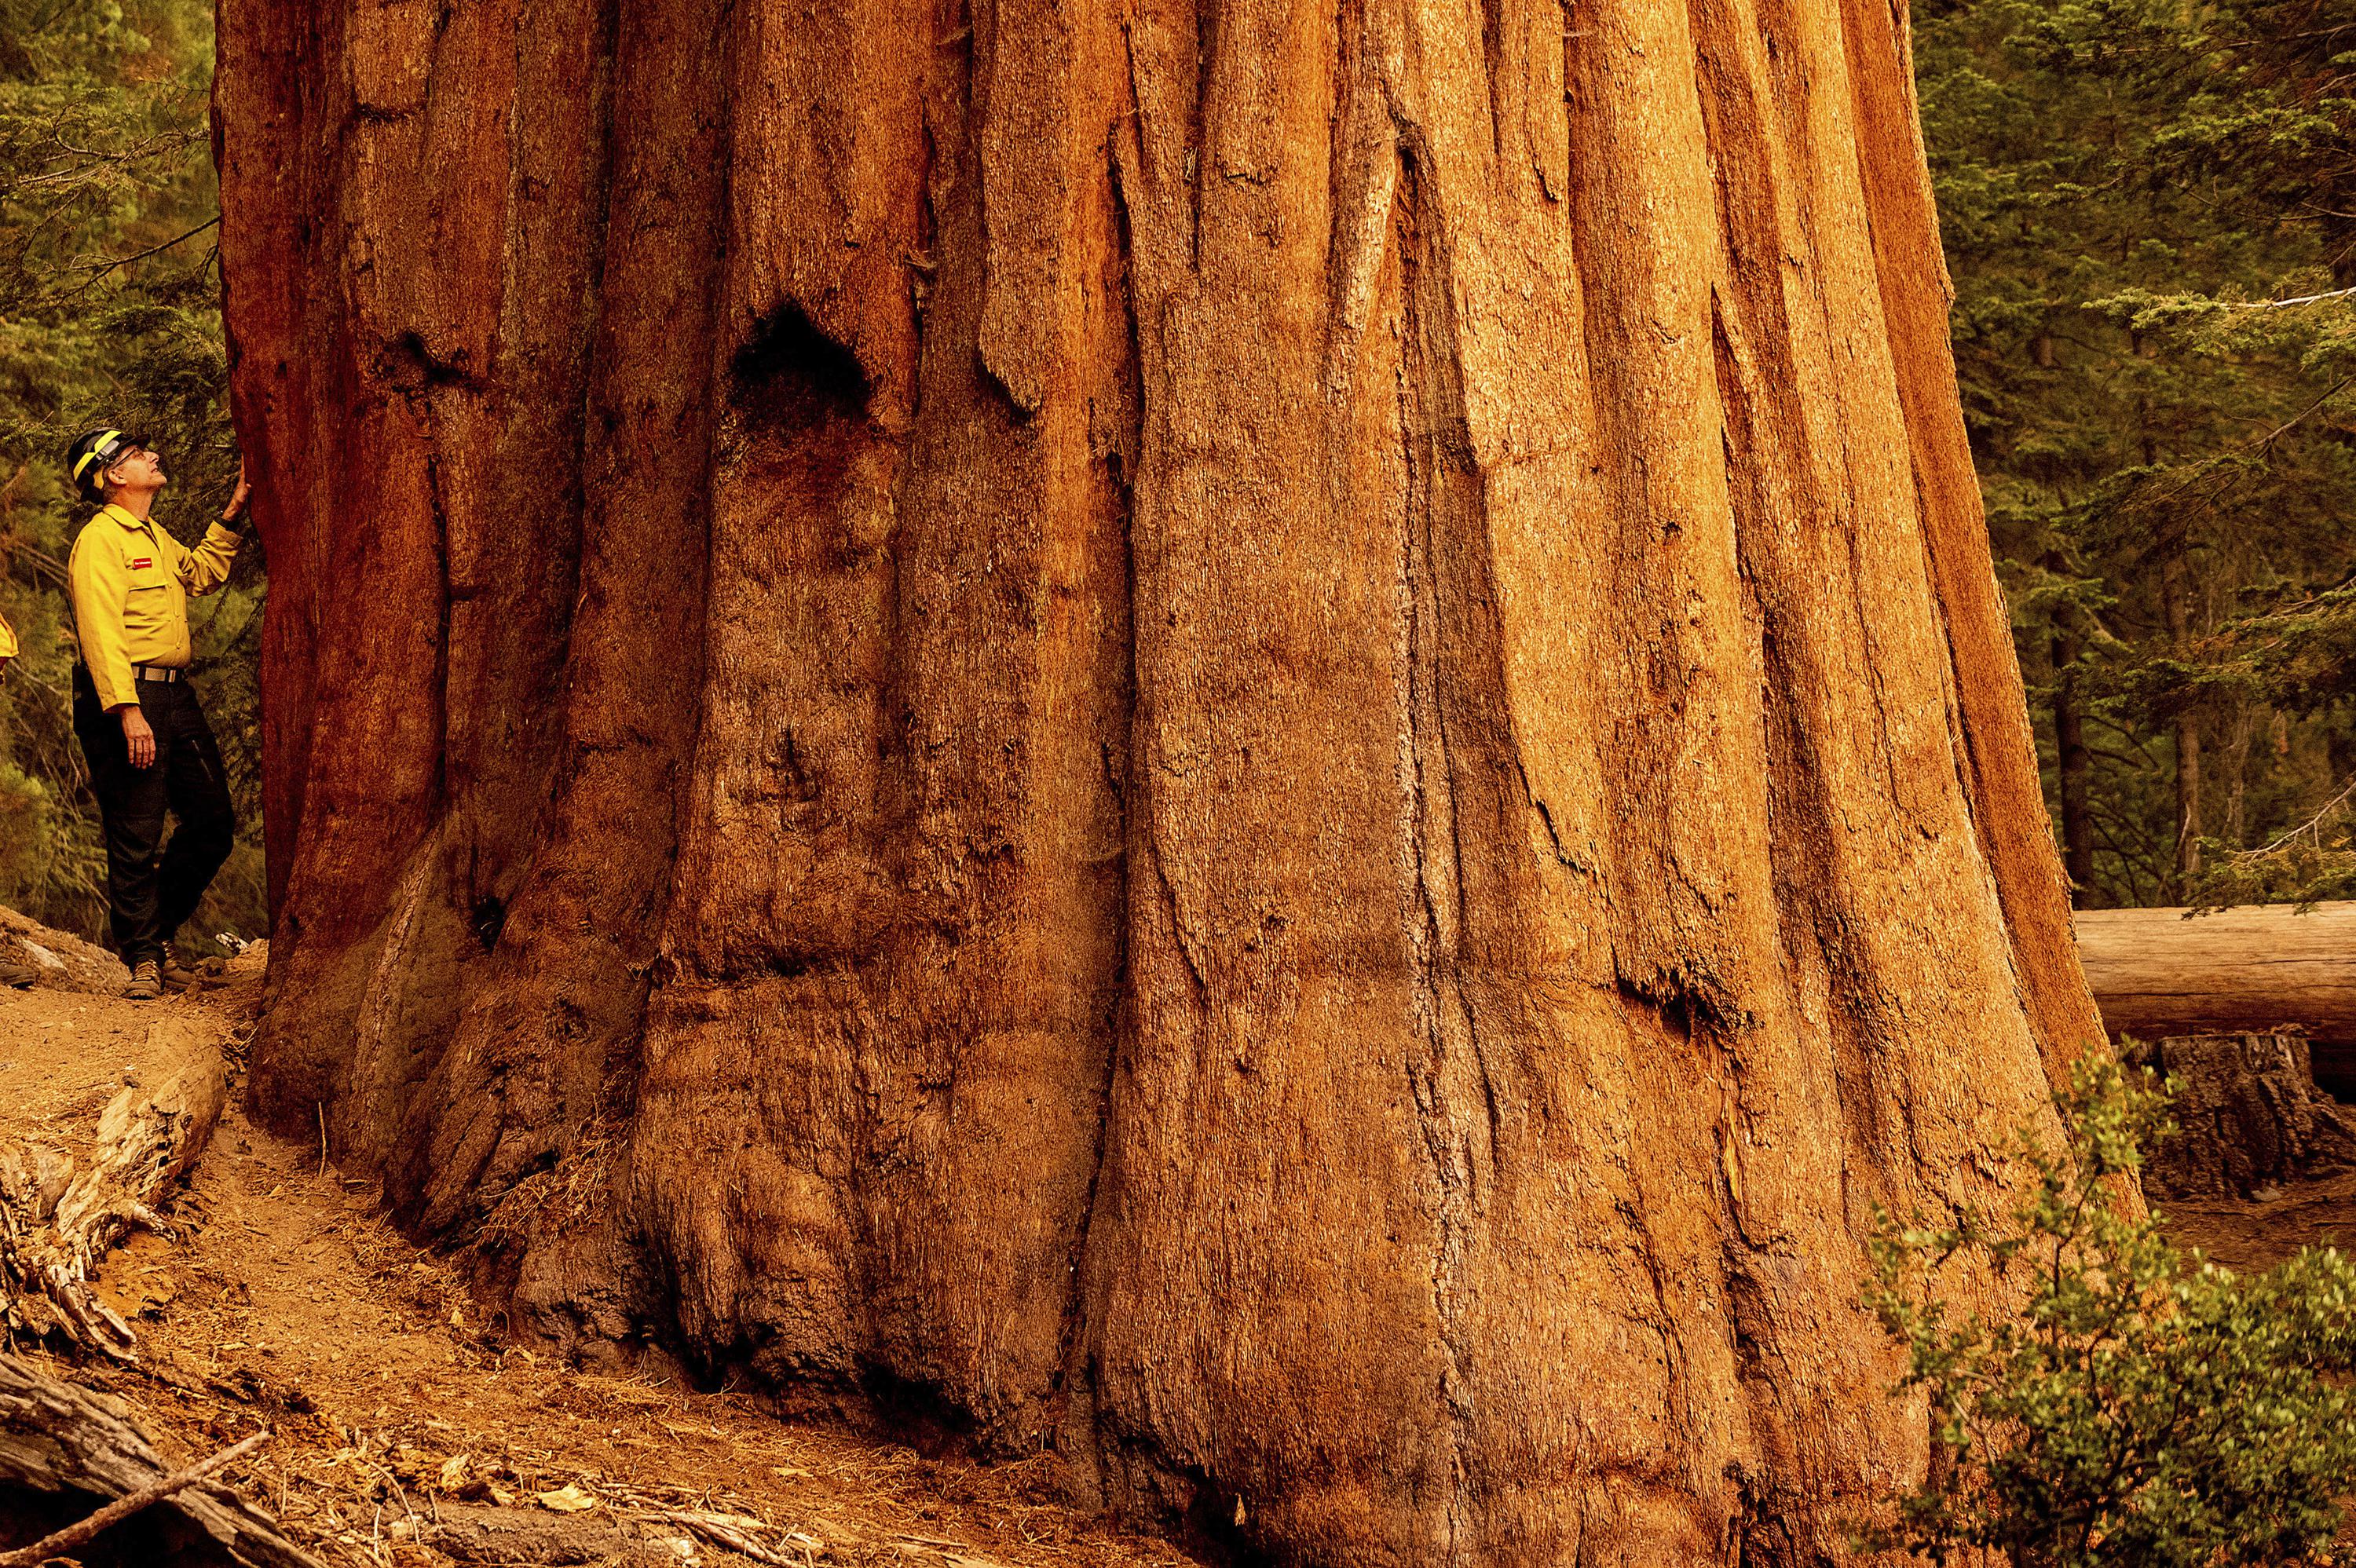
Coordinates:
<point>2235,827</point>
<point>1271,745</point>
<point>2174,595</point>
<point>2076,768</point>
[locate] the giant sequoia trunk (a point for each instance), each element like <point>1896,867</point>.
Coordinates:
<point>1269,743</point>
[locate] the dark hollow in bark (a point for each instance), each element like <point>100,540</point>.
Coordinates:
<point>1274,746</point>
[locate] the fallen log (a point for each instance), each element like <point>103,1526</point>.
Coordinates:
<point>56,1221</point>
<point>2251,970</point>
<point>57,960</point>
<point>57,1437</point>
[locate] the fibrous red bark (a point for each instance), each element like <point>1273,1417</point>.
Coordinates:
<point>1270,744</point>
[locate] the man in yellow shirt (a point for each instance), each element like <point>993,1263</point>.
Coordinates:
<point>141,728</point>
<point>7,645</point>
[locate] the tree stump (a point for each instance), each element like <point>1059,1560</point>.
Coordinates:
<point>2248,1118</point>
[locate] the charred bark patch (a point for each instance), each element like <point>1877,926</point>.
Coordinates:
<point>414,366</point>
<point>913,1411</point>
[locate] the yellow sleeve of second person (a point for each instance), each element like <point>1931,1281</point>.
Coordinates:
<point>205,568</point>
<point>100,577</point>
<point>7,640</point>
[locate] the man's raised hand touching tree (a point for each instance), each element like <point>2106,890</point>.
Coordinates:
<point>149,747</point>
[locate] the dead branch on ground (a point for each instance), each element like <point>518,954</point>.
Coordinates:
<point>57,1223</point>
<point>55,1435</point>
<point>122,1508</point>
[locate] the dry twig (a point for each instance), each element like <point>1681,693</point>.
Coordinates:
<point>122,1508</point>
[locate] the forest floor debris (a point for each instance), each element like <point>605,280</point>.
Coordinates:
<point>405,1435</point>
<point>2252,1234</point>
<point>61,1444</point>
<point>404,1432</point>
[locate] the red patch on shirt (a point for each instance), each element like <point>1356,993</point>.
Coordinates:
<point>143,563</point>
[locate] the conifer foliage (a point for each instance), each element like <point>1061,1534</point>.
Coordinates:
<point>109,313</point>
<point>2152,250</point>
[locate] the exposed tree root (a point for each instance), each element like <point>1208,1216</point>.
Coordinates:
<point>56,1221</point>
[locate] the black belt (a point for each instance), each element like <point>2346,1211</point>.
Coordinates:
<point>166,674</point>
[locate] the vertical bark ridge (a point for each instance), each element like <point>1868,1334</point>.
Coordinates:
<point>1262,633</point>
<point>267,76</point>
<point>1447,1070</point>
<point>952,830</point>
<point>445,632</point>
<point>1681,911</point>
<point>541,1066</point>
<point>1686,904</point>
<point>2008,800</point>
<point>1808,410</point>
<point>499,460</point>
<point>1554,1471</point>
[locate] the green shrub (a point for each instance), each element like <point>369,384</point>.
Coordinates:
<point>24,831</point>
<point>2145,1406</point>
<point>50,857</point>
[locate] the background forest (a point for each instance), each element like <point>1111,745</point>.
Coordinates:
<point>109,315</point>
<point>2149,210</point>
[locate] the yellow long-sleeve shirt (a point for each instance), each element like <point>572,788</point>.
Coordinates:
<point>7,640</point>
<point>131,582</point>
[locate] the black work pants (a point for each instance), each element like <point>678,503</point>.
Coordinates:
<point>152,888</point>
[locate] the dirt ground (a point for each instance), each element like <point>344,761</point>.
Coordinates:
<point>2257,1234</point>
<point>402,1433</point>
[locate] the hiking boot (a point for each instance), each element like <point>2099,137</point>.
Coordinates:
<point>179,973</point>
<point>146,981</point>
